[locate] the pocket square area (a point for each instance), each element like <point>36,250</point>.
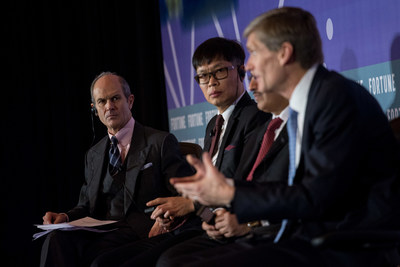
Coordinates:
<point>229,147</point>
<point>147,165</point>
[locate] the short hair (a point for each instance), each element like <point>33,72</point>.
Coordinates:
<point>293,25</point>
<point>125,86</point>
<point>218,48</point>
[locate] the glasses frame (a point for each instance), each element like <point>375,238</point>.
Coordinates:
<point>212,73</point>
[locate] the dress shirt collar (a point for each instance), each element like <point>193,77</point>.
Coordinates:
<point>298,100</point>
<point>124,135</point>
<point>284,115</point>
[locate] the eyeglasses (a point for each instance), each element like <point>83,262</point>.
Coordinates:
<point>218,74</point>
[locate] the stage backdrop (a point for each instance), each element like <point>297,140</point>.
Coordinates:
<point>361,40</point>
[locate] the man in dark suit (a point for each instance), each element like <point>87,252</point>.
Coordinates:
<point>272,165</point>
<point>343,158</point>
<point>219,64</point>
<point>120,178</point>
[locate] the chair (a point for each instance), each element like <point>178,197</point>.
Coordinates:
<point>187,148</point>
<point>395,125</point>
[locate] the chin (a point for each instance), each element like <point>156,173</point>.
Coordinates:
<point>260,106</point>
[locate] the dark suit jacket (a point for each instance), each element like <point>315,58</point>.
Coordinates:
<point>346,178</point>
<point>152,159</point>
<point>244,119</point>
<point>273,167</point>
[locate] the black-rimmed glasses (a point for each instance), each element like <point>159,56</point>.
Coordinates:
<point>218,74</point>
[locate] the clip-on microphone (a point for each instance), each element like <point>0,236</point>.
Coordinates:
<point>93,111</point>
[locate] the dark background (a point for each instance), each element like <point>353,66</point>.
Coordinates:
<point>51,53</point>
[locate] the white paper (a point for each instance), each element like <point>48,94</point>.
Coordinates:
<point>81,224</point>
<point>84,222</point>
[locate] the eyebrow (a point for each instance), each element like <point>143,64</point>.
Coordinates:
<point>214,67</point>
<point>106,98</point>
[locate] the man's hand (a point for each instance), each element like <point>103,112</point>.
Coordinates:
<point>208,185</point>
<point>211,231</point>
<point>52,217</point>
<point>165,225</point>
<point>227,224</point>
<point>171,207</point>
<point>156,230</point>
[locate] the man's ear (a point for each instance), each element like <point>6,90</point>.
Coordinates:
<point>131,99</point>
<point>286,53</point>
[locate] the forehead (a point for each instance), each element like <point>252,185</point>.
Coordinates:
<point>214,64</point>
<point>253,42</point>
<point>106,86</point>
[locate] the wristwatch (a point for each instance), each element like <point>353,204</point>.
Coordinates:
<point>254,224</point>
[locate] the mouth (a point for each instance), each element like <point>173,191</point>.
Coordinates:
<point>111,116</point>
<point>215,94</point>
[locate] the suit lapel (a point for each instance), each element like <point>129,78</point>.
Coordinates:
<point>208,137</point>
<point>251,151</point>
<point>316,83</point>
<point>136,159</point>
<point>275,148</point>
<point>99,152</point>
<point>232,121</point>
<point>277,145</point>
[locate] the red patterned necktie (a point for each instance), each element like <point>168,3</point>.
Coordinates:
<point>217,132</point>
<point>267,141</point>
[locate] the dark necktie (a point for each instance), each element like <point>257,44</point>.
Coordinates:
<point>292,134</point>
<point>267,141</point>
<point>115,157</point>
<point>217,132</point>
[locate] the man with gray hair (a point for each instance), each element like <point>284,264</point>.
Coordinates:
<point>343,158</point>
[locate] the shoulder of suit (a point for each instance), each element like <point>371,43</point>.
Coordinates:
<point>245,103</point>
<point>150,132</point>
<point>250,110</point>
<point>99,146</point>
<point>334,85</point>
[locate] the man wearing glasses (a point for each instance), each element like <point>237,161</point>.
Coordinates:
<point>219,64</point>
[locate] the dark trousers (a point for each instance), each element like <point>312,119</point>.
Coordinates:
<point>80,248</point>
<point>288,253</point>
<point>143,252</point>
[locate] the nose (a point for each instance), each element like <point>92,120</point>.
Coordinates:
<point>109,105</point>
<point>253,84</point>
<point>212,81</point>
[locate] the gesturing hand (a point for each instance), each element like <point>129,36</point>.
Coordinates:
<point>170,207</point>
<point>208,185</point>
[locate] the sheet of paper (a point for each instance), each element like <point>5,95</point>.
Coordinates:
<point>40,234</point>
<point>83,222</point>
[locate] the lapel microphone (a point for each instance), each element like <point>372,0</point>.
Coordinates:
<point>94,133</point>
<point>212,133</point>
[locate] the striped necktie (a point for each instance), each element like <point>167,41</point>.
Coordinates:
<point>115,157</point>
